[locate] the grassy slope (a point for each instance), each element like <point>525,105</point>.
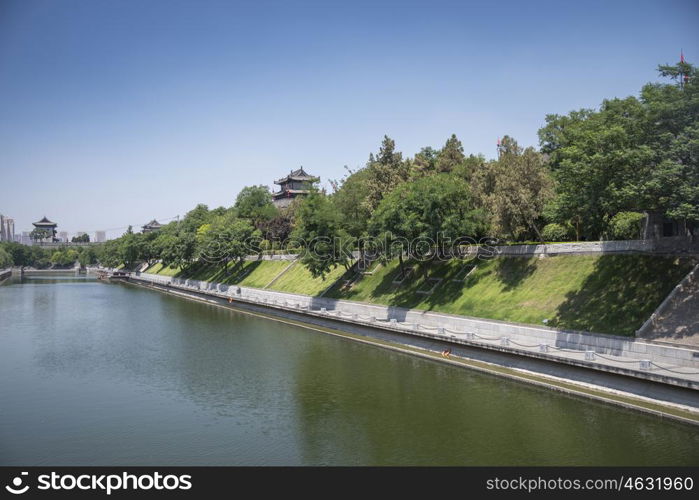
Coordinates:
<point>299,280</point>
<point>263,272</point>
<point>610,294</point>
<point>256,274</point>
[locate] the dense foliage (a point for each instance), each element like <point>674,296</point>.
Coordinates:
<point>595,174</point>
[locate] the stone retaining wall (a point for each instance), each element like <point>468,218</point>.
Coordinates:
<point>490,331</point>
<point>675,245</point>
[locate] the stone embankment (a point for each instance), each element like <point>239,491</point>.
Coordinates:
<point>628,356</point>
<point>676,320</point>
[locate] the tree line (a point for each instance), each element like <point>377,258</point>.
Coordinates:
<point>595,173</point>
<point>38,257</point>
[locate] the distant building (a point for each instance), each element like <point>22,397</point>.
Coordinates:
<point>63,235</point>
<point>48,226</point>
<point>100,236</point>
<point>7,228</point>
<point>153,225</point>
<point>657,225</point>
<point>25,239</point>
<point>297,183</point>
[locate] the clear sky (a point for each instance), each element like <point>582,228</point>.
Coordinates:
<point>114,113</point>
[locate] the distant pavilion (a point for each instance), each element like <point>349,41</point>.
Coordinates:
<point>297,183</point>
<point>49,227</point>
<point>153,225</point>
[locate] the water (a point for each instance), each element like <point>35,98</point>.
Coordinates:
<point>93,373</point>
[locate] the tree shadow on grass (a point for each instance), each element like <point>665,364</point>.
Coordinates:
<point>621,293</point>
<point>510,271</point>
<point>513,271</point>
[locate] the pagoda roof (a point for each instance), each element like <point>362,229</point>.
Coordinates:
<point>286,192</point>
<point>153,223</point>
<point>297,175</point>
<point>44,222</point>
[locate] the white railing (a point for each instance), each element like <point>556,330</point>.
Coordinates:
<point>583,347</point>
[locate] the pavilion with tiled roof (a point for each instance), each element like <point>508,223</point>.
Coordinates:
<point>153,225</point>
<point>48,226</point>
<point>297,183</point>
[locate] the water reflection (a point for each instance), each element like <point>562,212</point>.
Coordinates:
<point>388,409</point>
<point>108,373</point>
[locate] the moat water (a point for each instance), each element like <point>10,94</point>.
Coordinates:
<point>95,373</point>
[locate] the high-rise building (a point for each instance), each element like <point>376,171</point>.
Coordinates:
<point>7,228</point>
<point>63,235</point>
<point>25,239</point>
<point>100,236</point>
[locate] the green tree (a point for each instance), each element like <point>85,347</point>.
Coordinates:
<point>228,239</point>
<point>631,155</point>
<point>146,247</point>
<point>39,234</point>
<point>5,259</point>
<point>626,226</point>
<point>319,229</point>
<point>672,133</point>
<point>39,257</point>
<point>556,232</point>
<point>599,165</point>
<point>350,201</point>
<point>424,162</point>
<point>129,248</point>
<point>518,189</point>
<point>432,210</point>
<point>384,172</point>
<point>109,254</point>
<point>255,203</point>
<point>278,228</point>
<point>83,238</point>
<point>87,256</point>
<point>451,155</point>
<point>21,254</point>
<point>195,218</point>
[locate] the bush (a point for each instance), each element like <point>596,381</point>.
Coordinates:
<point>626,226</point>
<point>5,259</point>
<point>556,232</point>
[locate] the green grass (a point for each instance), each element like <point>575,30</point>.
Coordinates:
<point>263,272</point>
<point>600,293</point>
<point>158,268</point>
<point>609,294</point>
<point>256,274</point>
<point>298,279</point>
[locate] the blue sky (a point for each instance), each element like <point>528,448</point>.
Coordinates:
<point>114,113</point>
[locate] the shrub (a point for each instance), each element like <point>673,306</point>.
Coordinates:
<point>556,232</point>
<point>626,226</point>
<point>5,259</point>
